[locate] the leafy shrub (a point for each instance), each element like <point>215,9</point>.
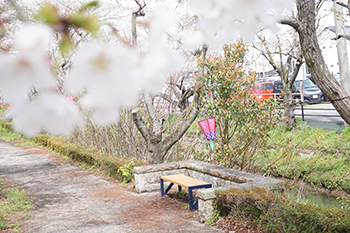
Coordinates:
<point>274,212</point>
<point>242,120</point>
<point>127,172</point>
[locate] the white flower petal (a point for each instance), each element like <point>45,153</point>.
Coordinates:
<point>50,112</point>
<point>105,116</point>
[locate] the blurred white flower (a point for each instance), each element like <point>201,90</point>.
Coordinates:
<point>193,38</point>
<point>154,67</point>
<point>106,74</point>
<point>29,67</point>
<point>112,76</point>
<point>49,112</point>
<point>32,43</point>
<point>226,20</point>
<point>159,60</point>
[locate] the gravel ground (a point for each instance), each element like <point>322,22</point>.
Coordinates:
<point>68,199</point>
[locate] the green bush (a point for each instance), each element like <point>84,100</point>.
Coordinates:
<point>274,212</point>
<point>242,120</point>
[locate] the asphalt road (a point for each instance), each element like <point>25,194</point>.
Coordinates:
<point>321,115</point>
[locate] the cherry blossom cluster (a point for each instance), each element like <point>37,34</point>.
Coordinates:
<point>220,21</point>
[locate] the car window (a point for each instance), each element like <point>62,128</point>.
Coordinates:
<point>278,86</point>
<point>265,86</point>
<point>306,84</point>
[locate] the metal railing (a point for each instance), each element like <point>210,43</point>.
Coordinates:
<point>303,114</point>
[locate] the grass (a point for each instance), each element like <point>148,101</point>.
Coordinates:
<point>314,155</point>
<point>313,138</point>
<point>14,206</point>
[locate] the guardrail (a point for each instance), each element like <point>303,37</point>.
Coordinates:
<point>303,109</point>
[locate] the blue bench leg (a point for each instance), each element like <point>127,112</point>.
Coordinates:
<point>162,187</point>
<point>193,205</point>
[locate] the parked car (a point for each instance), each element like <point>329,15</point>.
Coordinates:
<point>263,90</point>
<point>272,88</point>
<point>312,94</point>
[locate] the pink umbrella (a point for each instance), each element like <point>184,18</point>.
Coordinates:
<point>208,128</point>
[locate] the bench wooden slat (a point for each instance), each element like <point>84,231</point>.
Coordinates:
<point>183,180</point>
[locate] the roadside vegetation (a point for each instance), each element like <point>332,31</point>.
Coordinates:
<point>314,155</point>
<point>14,206</point>
<point>318,157</point>
<point>268,211</point>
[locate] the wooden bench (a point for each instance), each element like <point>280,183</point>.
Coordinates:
<point>186,182</point>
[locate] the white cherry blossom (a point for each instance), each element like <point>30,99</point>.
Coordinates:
<point>29,67</point>
<point>226,20</point>
<point>159,60</point>
<point>49,112</point>
<point>105,73</point>
<point>109,78</point>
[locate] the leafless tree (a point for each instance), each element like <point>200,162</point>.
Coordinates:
<point>180,89</point>
<point>304,24</point>
<point>159,143</point>
<point>285,53</point>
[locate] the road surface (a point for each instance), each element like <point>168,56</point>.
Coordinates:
<point>322,115</point>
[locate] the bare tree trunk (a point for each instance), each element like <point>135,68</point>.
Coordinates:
<point>289,105</point>
<point>305,26</point>
<point>287,88</point>
<point>157,147</point>
<point>287,81</point>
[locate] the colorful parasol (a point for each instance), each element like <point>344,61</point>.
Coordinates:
<point>208,128</point>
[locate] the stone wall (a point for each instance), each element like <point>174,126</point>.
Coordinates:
<point>221,178</point>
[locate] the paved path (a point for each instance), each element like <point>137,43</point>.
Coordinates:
<point>68,199</point>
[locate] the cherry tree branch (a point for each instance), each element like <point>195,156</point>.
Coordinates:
<point>140,125</point>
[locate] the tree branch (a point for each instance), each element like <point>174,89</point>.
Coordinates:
<point>342,36</point>
<point>347,6</point>
<point>268,56</point>
<point>294,23</point>
<point>167,98</point>
<point>136,14</point>
<point>140,125</point>
<point>174,137</point>
<point>149,105</point>
<point>296,70</point>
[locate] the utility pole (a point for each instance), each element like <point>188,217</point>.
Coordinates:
<point>341,47</point>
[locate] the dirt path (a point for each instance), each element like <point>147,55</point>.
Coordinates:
<point>68,199</point>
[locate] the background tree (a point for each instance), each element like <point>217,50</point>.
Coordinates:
<point>242,120</point>
<point>180,88</point>
<point>158,143</point>
<point>304,24</point>
<point>280,51</point>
